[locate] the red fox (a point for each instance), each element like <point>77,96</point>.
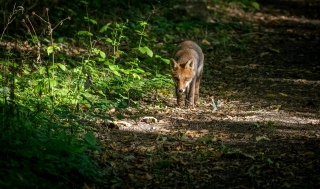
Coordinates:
<point>186,70</point>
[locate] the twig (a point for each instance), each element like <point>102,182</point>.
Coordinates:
<point>11,18</point>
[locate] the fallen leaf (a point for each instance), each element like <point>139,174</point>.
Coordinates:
<point>228,59</point>
<point>283,94</point>
<point>131,177</point>
<point>271,95</point>
<point>128,158</point>
<point>275,107</point>
<point>247,136</point>
<point>206,42</point>
<point>149,119</point>
<point>286,185</point>
<point>218,168</point>
<point>161,121</point>
<point>123,123</point>
<point>258,138</point>
<point>85,186</point>
<point>264,53</point>
<point>147,177</point>
<point>274,50</point>
<point>253,65</point>
<point>184,124</point>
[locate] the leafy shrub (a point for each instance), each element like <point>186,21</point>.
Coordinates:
<point>39,153</point>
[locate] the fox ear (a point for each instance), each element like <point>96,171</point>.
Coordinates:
<point>190,64</point>
<point>173,64</point>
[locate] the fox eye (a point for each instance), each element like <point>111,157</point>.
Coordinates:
<point>186,79</point>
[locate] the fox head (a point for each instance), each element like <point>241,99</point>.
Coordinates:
<point>182,74</point>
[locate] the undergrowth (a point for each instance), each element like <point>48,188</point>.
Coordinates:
<point>37,153</point>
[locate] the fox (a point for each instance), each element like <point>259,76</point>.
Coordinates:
<point>186,70</point>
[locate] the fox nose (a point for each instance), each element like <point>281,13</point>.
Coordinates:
<point>181,90</point>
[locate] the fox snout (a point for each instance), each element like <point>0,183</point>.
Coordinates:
<point>182,85</point>
<point>179,90</point>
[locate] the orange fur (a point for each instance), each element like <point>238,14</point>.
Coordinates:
<point>186,71</point>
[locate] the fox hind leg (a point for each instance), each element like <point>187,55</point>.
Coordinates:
<point>196,92</point>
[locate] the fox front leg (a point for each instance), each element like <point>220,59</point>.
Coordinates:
<point>190,94</point>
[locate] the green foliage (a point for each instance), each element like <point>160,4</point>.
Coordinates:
<point>38,153</point>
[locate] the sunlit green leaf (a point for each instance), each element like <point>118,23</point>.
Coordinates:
<point>116,73</point>
<point>145,50</point>
<point>50,50</point>
<point>52,82</point>
<point>102,54</point>
<point>42,70</point>
<point>101,93</point>
<point>109,40</point>
<point>143,23</point>
<point>112,67</point>
<point>136,76</point>
<point>61,66</point>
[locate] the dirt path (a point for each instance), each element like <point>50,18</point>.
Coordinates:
<point>265,135</point>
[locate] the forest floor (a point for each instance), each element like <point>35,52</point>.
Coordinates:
<point>265,134</point>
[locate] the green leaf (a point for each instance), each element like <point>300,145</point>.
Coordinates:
<point>167,61</point>
<point>90,138</point>
<point>109,40</point>
<point>50,50</point>
<point>255,5</point>
<point>114,70</point>
<point>42,70</point>
<point>108,63</point>
<point>53,67</point>
<point>84,33</point>
<point>102,54</point>
<point>52,82</point>
<point>125,71</point>
<point>112,67</point>
<point>269,161</point>
<point>93,21</point>
<point>143,23</point>
<point>105,27</point>
<point>56,47</point>
<point>101,93</point>
<point>90,20</point>
<point>61,66</point>
<point>84,2</point>
<point>136,76</point>
<point>116,73</point>
<point>145,50</point>
<point>142,33</point>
